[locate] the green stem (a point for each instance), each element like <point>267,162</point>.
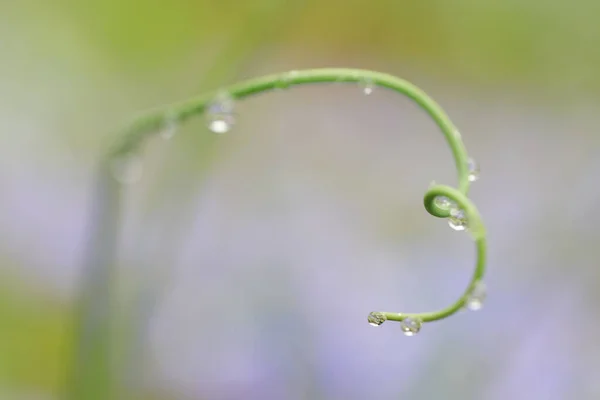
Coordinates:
<point>89,377</point>
<point>153,122</point>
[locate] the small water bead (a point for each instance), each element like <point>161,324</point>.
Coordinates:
<point>169,127</point>
<point>219,114</point>
<point>367,86</point>
<point>473,170</point>
<point>444,203</point>
<point>458,219</point>
<point>376,318</point>
<point>476,297</point>
<point>127,169</point>
<point>411,326</point>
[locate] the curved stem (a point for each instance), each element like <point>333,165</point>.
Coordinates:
<point>154,121</point>
<point>178,113</point>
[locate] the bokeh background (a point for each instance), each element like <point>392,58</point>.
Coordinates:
<point>252,259</point>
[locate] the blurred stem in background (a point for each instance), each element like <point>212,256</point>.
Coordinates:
<point>98,340</point>
<point>90,376</point>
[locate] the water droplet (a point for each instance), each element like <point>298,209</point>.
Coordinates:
<point>367,86</point>
<point>476,297</point>
<point>169,127</point>
<point>444,203</point>
<point>376,318</point>
<point>473,170</point>
<point>219,114</point>
<point>457,219</point>
<point>287,79</point>
<point>411,326</point>
<point>220,126</point>
<point>127,168</point>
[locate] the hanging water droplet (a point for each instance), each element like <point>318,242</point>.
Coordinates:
<point>169,127</point>
<point>444,203</point>
<point>473,170</point>
<point>411,326</point>
<point>127,169</point>
<point>376,318</point>
<point>458,219</point>
<point>219,113</point>
<point>287,79</point>
<point>476,297</point>
<point>367,86</point>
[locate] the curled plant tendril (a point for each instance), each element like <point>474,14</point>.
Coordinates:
<point>411,322</point>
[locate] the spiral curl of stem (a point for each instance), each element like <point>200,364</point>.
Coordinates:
<point>154,121</point>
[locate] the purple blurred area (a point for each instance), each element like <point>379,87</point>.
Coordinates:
<point>252,259</point>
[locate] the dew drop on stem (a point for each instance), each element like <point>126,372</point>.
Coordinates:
<point>127,169</point>
<point>443,202</point>
<point>220,116</point>
<point>169,127</point>
<point>476,297</point>
<point>410,326</point>
<point>458,219</point>
<point>473,168</point>
<point>376,318</point>
<point>367,86</point>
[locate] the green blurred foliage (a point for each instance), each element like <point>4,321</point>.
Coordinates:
<point>482,41</point>
<point>32,337</point>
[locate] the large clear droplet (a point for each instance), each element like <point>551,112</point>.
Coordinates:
<point>476,297</point>
<point>127,169</point>
<point>458,219</point>
<point>287,79</point>
<point>444,203</point>
<point>473,170</point>
<point>367,86</point>
<point>220,117</point>
<point>411,326</point>
<point>169,127</point>
<point>376,318</point>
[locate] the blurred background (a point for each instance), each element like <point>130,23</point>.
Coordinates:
<point>249,261</point>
